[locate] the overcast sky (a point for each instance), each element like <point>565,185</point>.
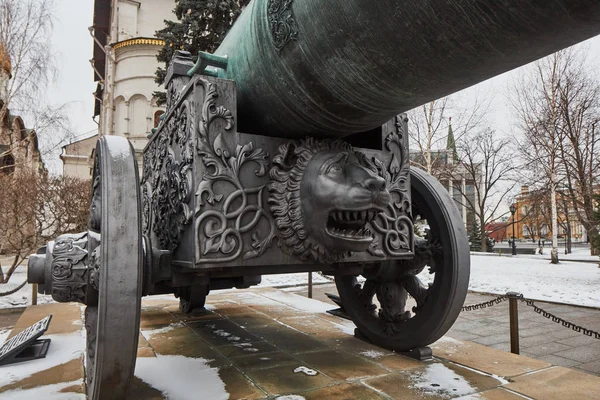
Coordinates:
<point>75,85</point>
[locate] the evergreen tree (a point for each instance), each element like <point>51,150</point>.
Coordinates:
<point>202,25</point>
<point>475,237</point>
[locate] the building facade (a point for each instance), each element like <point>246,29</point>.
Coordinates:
<point>124,66</point>
<point>77,157</point>
<point>453,175</point>
<point>533,219</point>
<point>19,149</point>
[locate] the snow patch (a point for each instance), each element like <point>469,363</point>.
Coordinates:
<point>439,380</point>
<point>4,334</point>
<point>290,397</point>
<point>290,279</point>
<point>373,353</point>
<point>151,332</point>
<point>47,392</point>
<point>62,349</point>
<point>306,371</point>
<point>181,378</point>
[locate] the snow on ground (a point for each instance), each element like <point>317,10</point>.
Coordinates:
<point>577,254</point>
<point>281,280</point>
<point>181,378</point>
<point>22,298</point>
<point>62,349</point>
<point>568,282</point>
<point>46,392</point>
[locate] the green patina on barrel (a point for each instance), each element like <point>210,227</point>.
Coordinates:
<point>337,67</point>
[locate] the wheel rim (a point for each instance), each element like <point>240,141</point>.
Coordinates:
<point>113,325</point>
<point>378,305</point>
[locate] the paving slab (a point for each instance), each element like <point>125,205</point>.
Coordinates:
<point>557,383</point>
<point>433,380</point>
<point>486,359</point>
<point>265,343</point>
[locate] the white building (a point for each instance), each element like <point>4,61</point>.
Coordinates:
<point>77,157</point>
<point>124,66</point>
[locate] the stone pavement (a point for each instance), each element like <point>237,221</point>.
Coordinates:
<point>539,337</point>
<point>266,343</point>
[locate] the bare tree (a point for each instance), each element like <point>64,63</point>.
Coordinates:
<point>429,126</point>
<point>486,163</point>
<point>36,207</point>
<point>537,104</point>
<point>579,129</point>
<point>25,33</point>
<point>559,108</point>
<point>20,200</point>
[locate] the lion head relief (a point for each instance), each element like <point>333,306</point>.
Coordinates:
<point>322,195</point>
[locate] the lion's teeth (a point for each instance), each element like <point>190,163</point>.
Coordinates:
<point>363,215</point>
<point>371,215</point>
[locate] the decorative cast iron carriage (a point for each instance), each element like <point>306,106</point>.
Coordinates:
<point>284,152</point>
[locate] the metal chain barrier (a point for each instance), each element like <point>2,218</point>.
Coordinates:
<point>485,304</point>
<point>530,303</point>
<point>559,320</point>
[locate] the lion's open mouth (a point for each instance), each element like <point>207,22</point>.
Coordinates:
<point>350,225</point>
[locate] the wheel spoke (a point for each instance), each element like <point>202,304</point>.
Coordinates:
<point>417,290</point>
<point>392,296</point>
<point>378,306</point>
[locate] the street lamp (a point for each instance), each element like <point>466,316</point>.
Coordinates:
<point>513,210</point>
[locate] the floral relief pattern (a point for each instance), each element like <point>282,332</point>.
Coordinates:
<point>223,217</point>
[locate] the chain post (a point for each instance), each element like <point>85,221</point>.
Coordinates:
<point>34,291</point>
<point>310,284</point>
<point>514,321</point>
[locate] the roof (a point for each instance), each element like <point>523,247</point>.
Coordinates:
<point>101,26</point>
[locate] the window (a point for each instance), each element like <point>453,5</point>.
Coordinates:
<point>138,124</point>
<point>7,164</point>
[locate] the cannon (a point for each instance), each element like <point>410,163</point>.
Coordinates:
<point>287,151</point>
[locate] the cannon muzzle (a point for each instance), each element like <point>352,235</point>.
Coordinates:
<point>337,67</point>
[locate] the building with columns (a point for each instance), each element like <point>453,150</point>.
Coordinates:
<point>533,219</point>
<point>124,65</point>
<point>451,173</point>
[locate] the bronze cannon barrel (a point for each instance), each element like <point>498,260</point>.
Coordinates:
<point>337,67</point>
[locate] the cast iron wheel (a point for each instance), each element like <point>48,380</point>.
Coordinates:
<point>115,243</point>
<point>192,298</point>
<point>445,250</point>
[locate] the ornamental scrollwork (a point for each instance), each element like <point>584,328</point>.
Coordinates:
<point>167,179</point>
<point>223,216</point>
<point>395,224</point>
<point>282,22</point>
<point>68,269</point>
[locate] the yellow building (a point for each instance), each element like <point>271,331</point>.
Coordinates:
<point>533,217</point>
